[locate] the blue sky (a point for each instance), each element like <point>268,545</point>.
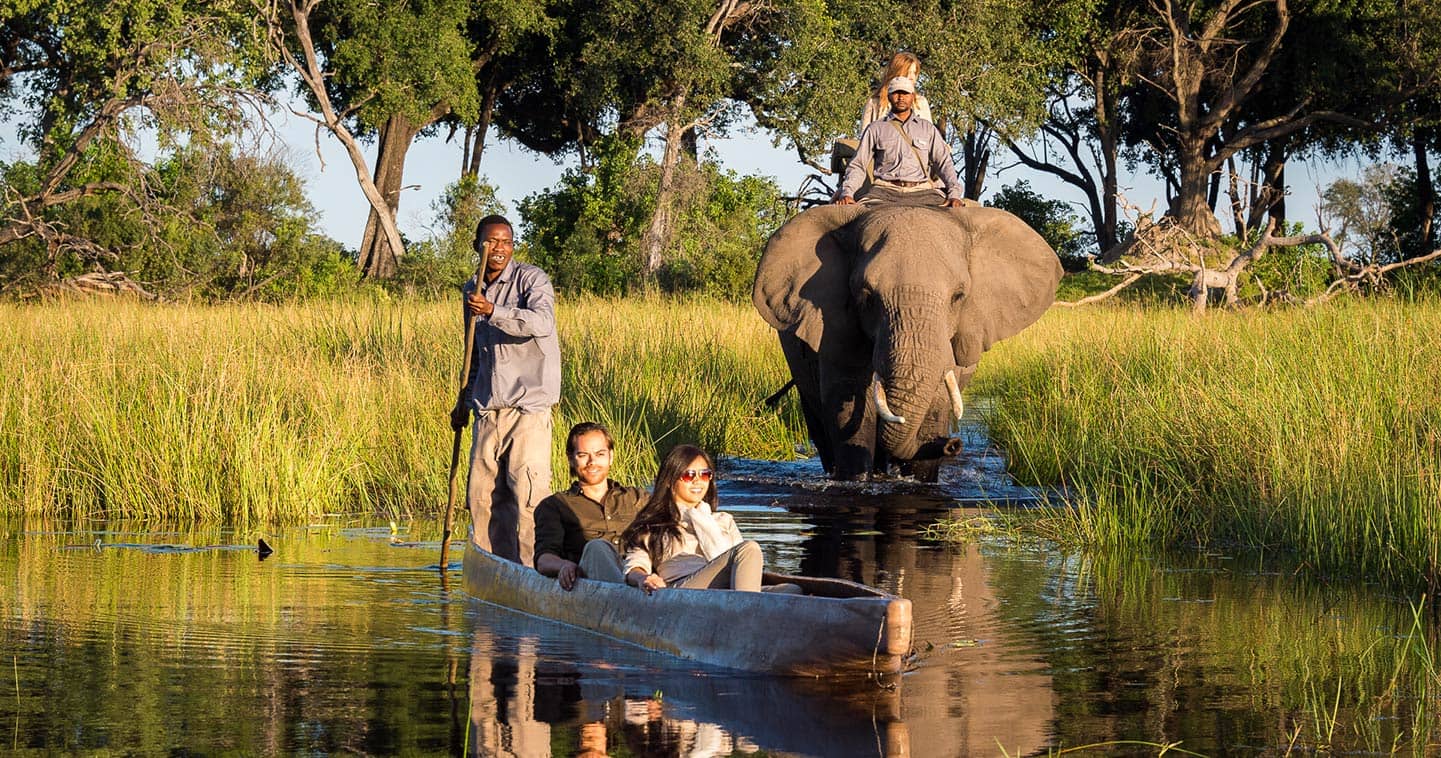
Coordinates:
<point>433,163</point>
<point>516,172</point>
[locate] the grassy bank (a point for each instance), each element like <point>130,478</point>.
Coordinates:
<point>278,414</point>
<point>1313,431</point>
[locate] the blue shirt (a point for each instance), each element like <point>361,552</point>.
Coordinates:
<point>515,362</point>
<point>894,156</point>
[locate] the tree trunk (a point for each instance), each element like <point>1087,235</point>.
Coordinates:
<point>465,151</point>
<point>1237,201</point>
<point>1106,130</point>
<point>690,143</point>
<point>1189,208</point>
<point>657,235</point>
<point>377,259</point>
<point>1270,195</point>
<point>308,67</point>
<point>1425,192</point>
<point>487,113</point>
<point>976,153</point>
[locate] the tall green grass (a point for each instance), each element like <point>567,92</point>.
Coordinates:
<point>283,413</point>
<point>1314,431</point>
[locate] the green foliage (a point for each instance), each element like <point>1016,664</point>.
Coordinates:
<point>980,62</point>
<point>1236,428</point>
<point>246,230</point>
<point>723,224</point>
<point>216,223</point>
<point>1302,271</point>
<point>397,59</point>
<point>1362,209</point>
<point>1159,290</point>
<point>586,232</point>
<point>437,265</point>
<point>1052,219</point>
<point>1401,197</point>
<point>280,413</point>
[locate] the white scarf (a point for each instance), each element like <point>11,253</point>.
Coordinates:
<point>713,538</point>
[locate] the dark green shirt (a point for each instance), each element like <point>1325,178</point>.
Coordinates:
<point>567,520</point>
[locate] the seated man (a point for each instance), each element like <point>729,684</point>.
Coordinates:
<point>905,151</point>
<point>577,532</point>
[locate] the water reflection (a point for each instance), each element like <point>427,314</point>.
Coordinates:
<point>344,641</point>
<point>526,703</point>
<point>980,685</point>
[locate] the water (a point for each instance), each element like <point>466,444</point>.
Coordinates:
<point>129,640</point>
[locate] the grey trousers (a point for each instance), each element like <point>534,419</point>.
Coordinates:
<point>509,476</point>
<point>599,562</point>
<point>879,193</point>
<point>736,569</point>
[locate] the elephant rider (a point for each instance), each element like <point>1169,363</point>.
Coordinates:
<point>906,151</point>
<point>577,531</point>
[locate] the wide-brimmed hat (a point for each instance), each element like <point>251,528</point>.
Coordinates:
<point>901,84</point>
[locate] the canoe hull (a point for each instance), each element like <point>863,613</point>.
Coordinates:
<point>840,628</point>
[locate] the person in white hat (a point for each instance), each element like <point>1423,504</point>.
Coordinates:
<point>905,155</point>
<point>879,104</point>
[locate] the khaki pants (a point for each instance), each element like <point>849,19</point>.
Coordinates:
<point>882,193</point>
<point>599,562</point>
<point>736,569</point>
<point>509,476</point>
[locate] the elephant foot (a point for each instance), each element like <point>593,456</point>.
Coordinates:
<point>928,471</point>
<point>853,464</point>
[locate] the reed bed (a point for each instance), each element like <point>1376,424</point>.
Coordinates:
<point>1312,431</point>
<point>280,414</point>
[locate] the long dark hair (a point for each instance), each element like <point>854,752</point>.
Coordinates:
<point>658,522</point>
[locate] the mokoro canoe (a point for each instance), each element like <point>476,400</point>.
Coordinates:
<point>837,627</point>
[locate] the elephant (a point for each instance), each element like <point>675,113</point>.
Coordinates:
<point>883,312</point>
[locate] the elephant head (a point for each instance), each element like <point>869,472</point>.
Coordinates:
<point>877,307</point>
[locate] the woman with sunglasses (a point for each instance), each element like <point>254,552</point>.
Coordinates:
<point>679,540</point>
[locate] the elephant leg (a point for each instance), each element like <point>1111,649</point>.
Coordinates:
<point>847,399</point>
<point>805,370</point>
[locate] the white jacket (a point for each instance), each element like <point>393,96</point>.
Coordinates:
<point>704,534</point>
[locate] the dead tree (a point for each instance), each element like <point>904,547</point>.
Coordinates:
<point>1165,247</point>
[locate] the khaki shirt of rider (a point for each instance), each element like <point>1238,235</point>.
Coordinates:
<point>894,159</point>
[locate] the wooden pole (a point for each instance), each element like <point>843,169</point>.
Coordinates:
<point>455,443</point>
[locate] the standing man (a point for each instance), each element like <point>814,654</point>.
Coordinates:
<point>511,383</point>
<point>905,151</point>
<point>577,532</point>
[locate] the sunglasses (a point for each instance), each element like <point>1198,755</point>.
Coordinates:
<point>690,474</point>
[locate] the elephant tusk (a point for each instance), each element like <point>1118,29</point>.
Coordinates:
<point>957,405</point>
<point>882,409</point>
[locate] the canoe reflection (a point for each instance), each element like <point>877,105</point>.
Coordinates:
<point>523,704</point>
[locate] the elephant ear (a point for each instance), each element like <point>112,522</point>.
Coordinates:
<point>803,279</point>
<point>1013,278</point>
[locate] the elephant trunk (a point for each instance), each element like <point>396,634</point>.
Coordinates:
<point>910,365</point>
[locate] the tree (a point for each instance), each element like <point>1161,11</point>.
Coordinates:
<point>1079,142</point>
<point>88,75</point>
<point>587,232</point>
<point>388,72</point>
<point>982,68</point>
<point>1052,219</point>
<point>1230,76</point>
<point>1365,214</point>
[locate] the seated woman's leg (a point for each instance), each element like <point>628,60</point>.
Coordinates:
<point>599,562</point>
<point>738,569</point>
